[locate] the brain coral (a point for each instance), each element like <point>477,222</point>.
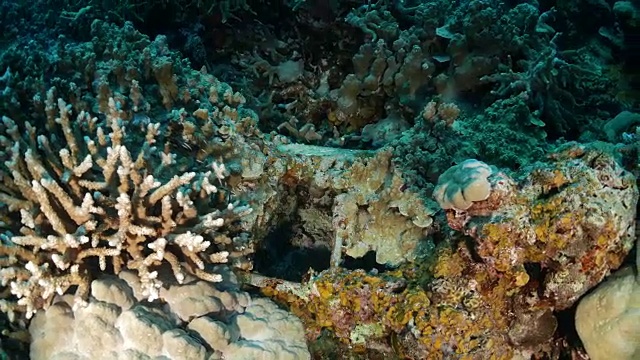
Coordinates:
<point>462,184</point>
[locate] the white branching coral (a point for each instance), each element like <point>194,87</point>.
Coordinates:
<point>88,196</point>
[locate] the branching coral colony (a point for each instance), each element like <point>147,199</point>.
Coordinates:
<point>94,192</point>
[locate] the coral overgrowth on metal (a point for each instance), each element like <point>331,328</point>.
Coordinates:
<point>538,244</point>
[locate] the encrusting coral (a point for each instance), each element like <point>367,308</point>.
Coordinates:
<point>572,217</point>
<point>98,192</point>
<point>364,200</point>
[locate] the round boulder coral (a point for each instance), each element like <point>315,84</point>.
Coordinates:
<point>463,184</point>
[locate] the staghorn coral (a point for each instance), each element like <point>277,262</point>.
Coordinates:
<point>97,192</point>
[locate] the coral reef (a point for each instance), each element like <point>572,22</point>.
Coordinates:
<point>97,200</point>
<point>364,200</point>
<point>575,219</point>
<point>200,321</point>
<point>498,296</point>
<point>411,179</point>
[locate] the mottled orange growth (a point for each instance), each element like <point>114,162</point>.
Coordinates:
<point>464,312</point>
<point>449,264</point>
<point>340,300</point>
<point>574,218</point>
<point>482,300</point>
<point>473,309</point>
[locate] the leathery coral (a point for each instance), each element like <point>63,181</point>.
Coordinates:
<point>92,193</point>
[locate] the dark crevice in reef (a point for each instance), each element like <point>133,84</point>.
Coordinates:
<point>280,257</point>
<point>366,263</point>
<point>566,327</point>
